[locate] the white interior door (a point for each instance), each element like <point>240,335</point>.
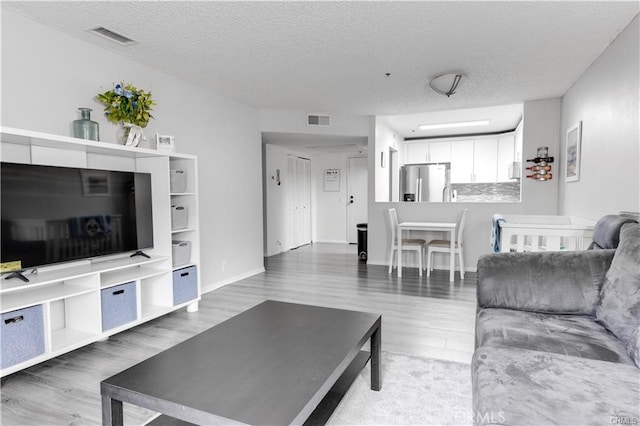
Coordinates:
<point>298,201</point>
<point>290,238</point>
<point>305,200</point>
<point>357,196</point>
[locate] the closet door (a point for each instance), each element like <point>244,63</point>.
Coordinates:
<point>305,200</point>
<point>290,183</point>
<point>299,201</point>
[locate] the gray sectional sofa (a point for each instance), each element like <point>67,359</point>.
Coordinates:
<point>558,336</point>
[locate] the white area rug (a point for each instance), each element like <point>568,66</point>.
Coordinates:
<point>415,391</point>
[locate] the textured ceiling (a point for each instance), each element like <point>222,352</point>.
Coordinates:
<point>332,56</point>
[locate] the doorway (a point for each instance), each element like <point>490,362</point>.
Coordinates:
<point>357,196</point>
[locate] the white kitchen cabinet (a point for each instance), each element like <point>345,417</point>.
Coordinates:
<point>462,161</point>
<point>485,160</point>
<point>427,152</point>
<point>506,156</point>
<point>416,152</point>
<point>439,152</point>
<point>518,142</point>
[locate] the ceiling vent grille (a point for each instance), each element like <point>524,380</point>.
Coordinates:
<point>113,36</point>
<point>318,120</point>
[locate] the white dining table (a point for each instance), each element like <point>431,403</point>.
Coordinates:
<point>429,226</point>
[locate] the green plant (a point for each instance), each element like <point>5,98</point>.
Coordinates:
<point>125,103</point>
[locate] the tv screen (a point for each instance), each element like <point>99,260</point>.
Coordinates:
<point>57,214</point>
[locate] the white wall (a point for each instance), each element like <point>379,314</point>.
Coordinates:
<point>605,98</point>
<point>385,137</point>
<point>541,128</point>
<point>328,209</point>
<point>294,121</point>
<point>278,224</point>
<point>47,75</point>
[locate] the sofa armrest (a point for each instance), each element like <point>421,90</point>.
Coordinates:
<point>551,282</point>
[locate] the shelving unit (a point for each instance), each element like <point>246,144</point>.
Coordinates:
<point>187,197</point>
<point>70,293</point>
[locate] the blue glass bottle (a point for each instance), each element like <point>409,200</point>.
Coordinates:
<point>85,128</point>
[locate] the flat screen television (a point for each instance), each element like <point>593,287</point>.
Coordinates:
<point>56,214</point>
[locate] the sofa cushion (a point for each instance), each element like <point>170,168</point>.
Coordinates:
<point>574,335</point>
<point>520,387</point>
<point>556,282</point>
<point>619,306</point>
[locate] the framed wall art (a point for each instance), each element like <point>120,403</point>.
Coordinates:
<point>573,147</point>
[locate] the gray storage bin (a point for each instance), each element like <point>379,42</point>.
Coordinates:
<point>179,217</point>
<point>185,285</point>
<point>118,305</point>
<point>178,180</point>
<point>180,252</point>
<point>22,335</point>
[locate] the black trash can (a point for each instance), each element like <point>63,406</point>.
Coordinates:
<point>362,241</point>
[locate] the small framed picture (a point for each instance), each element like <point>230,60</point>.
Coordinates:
<point>165,143</point>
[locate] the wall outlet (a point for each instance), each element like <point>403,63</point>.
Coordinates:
<point>224,265</point>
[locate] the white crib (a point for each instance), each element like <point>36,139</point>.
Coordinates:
<point>522,233</point>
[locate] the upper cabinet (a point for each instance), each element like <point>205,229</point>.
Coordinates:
<point>439,152</point>
<point>462,161</point>
<point>416,152</point>
<point>427,152</point>
<point>506,156</point>
<point>485,160</point>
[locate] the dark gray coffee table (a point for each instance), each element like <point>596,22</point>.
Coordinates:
<point>272,364</point>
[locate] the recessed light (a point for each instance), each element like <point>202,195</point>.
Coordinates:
<point>452,125</point>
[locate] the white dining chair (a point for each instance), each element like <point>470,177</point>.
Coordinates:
<point>444,246</point>
<point>408,244</point>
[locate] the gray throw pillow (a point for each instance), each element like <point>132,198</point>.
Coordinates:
<point>619,307</point>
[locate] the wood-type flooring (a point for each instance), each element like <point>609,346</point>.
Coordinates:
<point>422,316</point>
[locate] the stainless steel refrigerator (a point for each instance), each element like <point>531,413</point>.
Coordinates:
<point>426,182</point>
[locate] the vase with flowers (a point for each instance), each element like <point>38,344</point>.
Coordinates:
<point>130,107</point>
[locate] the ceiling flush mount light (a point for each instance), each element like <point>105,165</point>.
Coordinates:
<point>452,125</point>
<point>445,84</point>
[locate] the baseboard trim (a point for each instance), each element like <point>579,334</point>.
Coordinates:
<point>210,287</point>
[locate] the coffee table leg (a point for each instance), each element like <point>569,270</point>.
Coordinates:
<point>111,412</point>
<point>376,365</point>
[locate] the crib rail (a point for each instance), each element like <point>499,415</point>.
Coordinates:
<point>522,233</point>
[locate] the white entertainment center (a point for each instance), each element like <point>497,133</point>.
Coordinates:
<point>77,303</point>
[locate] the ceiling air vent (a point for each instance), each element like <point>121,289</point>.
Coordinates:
<point>318,120</point>
<point>113,36</point>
